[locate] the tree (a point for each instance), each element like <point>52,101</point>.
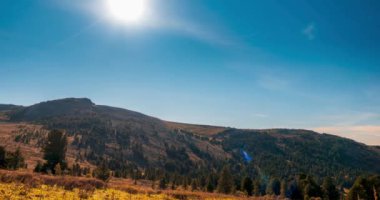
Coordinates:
<point>365,188</point>
<point>15,160</point>
<point>329,190</point>
<point>210,184</point>
<point>257,188</point>
<point>2,157</point>
<point>309,187</point>
<point>274,187</point>
<point>163,183</point>
<point>38,167</point>
<point>102,172</point>
<point>283,189</point>
<point>55,150</point>
<point>194,185</point>
<point>247,186</point>
<point>225,182</point>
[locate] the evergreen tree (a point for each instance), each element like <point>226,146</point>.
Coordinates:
<point>309,187</point>
<point>163,183</point>
<point>247,186</point>
<point>102,172</point>
<point>365,188</point>
<point>194,185</point>
<point>15,160</point>
<point>274,187</point>
<point>257,188</point>
<point>55,150</point>
<point>38,167</point>
<point>329,190</point>
<point>210,187</point>
<point>283,189</point>
<point>225,182</point>
<point>2,157</point>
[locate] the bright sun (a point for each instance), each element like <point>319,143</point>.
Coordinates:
<point>126,11</point>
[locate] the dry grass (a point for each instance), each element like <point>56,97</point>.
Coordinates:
<point>198,129</point>
<point>32,152</point>
<point>34,180</point>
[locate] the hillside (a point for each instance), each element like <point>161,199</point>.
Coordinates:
<point>130,140</point>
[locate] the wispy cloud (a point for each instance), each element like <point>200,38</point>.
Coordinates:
<point>271,82</point>
<point>194,30</point>
<point>309,31</point>
<point>260,115</point>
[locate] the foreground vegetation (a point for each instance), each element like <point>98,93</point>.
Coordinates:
<point>20,191</point>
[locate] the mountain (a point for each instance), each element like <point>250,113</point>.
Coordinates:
<point>131,140</point>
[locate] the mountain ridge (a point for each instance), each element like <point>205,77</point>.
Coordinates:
<point>129,139</point>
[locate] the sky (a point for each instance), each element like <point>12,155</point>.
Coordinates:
<point>308,64</point>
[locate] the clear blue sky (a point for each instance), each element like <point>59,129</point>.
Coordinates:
<point>250,64</point>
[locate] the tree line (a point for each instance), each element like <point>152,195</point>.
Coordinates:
<point>299,187</point>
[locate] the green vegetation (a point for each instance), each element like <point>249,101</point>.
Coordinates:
<point>11,160</point>
<point>55,152</point>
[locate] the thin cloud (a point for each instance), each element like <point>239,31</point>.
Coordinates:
<point>309,31</point>
<point>198,32</point>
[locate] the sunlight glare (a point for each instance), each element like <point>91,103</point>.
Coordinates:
<point>126,11</point>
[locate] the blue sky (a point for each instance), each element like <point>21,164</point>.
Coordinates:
<point>311,64</point>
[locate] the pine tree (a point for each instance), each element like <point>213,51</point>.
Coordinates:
<point>194,185</point>
<point>257,188</point>
<point>38,167</point>
<point>225,182</point>
<point>210,184</point>
<point>15,160</point>
<point>247,186</point>
<point>274,187</point>
<point>102,172</point>
<point>2,157</point>
<point>283,189</point>
<point>163,183</point>
<point>329,190</point>
<point>55,150</point>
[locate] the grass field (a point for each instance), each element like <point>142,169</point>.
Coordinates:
<point>20,185</point>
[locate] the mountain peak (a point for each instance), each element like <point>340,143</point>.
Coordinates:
<point>72,100</point>
<point>59,107</point>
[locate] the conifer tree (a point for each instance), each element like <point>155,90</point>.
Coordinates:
<point>38,167</point>
<point>55,150</point>
<point>225,182</point>
<point>329,190</point>
<point>2,157</point>
<point>14,160</point>
<point>210,184</point>
<point>102,172</point>
<point>163,183</point>
<point>247,186</point>
<point>274,187</point>
<point>257,188</point>
<point>193,185</point>
<point>283,189</point>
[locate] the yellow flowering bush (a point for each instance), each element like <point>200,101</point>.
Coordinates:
<point>20,192</point>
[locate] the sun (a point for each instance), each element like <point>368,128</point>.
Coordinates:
<point>126,11</point>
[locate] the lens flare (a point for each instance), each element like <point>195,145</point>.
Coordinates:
<point>126,11</point>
